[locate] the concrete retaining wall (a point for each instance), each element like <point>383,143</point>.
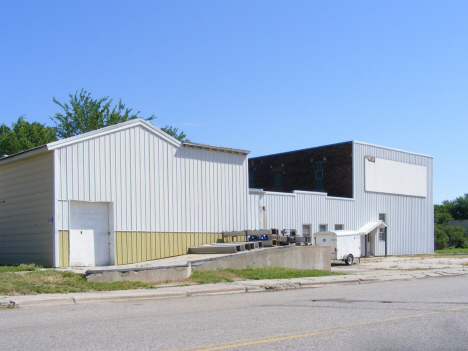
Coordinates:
<point>300,257</point>
<point>146,274</point>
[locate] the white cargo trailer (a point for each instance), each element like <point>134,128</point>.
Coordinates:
<point>345,244</point>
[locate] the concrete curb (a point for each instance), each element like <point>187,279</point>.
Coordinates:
<point>220,291</point>
<point>194,290</point>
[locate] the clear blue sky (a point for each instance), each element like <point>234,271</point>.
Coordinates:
<point>266,76</point>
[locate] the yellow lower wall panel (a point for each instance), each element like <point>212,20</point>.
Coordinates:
<point>64,248</point>
<point>132,247</point>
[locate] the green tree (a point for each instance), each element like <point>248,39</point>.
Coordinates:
<point>83,114</point>
<point>24,135</point>
<point>442,214</point>
<point>174,133</point>
<point>459,207</point>
<point>450,236</point>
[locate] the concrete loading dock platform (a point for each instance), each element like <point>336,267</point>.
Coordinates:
<point>181,267</point>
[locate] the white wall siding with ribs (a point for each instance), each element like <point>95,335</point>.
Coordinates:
<point>410,218</point>
<point>154,185</point>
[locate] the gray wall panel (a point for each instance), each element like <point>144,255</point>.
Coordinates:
<point>26,187</point>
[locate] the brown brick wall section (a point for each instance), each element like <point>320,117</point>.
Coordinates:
<point>298,170</point>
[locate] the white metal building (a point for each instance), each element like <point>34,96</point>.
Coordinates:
<point>390,185</point>
<point>130,193</point>
<point>121,194</point>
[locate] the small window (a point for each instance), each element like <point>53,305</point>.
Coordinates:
<point>277,178</point>
<point>306,229</point>
<point>338,226</point>
<point>382,234</point>
<point>318,175</point>
<point>251,179</point>
<point>382,230</point>
<point>323,228</point>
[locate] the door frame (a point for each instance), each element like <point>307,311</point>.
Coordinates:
<point>111,227</point>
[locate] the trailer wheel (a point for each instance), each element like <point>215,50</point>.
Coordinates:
<point>349,260</point>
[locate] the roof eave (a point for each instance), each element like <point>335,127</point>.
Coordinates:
<point>24,155</point>
<point>215,148</point>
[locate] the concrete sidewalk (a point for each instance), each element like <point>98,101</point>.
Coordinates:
<point>368,271</point>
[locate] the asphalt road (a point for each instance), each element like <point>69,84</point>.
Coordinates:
<point>422,314</point>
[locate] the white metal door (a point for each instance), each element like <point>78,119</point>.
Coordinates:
<point>364,246</point>
<point>327,240</point>
<point>89,234</point>
<point>372,243</point>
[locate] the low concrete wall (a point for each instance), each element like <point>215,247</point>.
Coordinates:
<point>300,257</point>
<point>146,274</point>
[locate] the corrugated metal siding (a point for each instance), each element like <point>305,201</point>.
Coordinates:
<point>410,219</point>
<point>291,211</point>
<point>132,247</point>
<point>153,185</point>
<point>26,186</point>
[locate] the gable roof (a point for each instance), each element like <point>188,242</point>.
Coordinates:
<point>370,226</point>
<point>114,128</point>
<point>110,129</point>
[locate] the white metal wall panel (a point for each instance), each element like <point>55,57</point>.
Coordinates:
<point>410,219</point>
<point>154,185</point>
<point>280,210</point>
<point>26,204</point>
<point>392,177</point>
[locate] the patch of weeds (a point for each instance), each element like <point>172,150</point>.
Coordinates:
<point>452,251</point>
<point>53,281</point>
<point>280,273</point>
<point>229,275</point>
<point>8,305</point>
<point>20,268</point>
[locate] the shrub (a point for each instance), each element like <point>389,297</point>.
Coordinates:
<point>440,238</point>
<point>445,236</point>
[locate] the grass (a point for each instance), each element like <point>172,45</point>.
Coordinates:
<point>30,279</point>
<point>20,268</point>
<point>452,251</point>
<point>52,281</point>
<point>229,275</point>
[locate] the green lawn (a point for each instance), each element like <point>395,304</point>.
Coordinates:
<point>16,281</point>
<point>229,275</point>
<point>452,251</point>
<point>20,268</point>
<point>30,279</point>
